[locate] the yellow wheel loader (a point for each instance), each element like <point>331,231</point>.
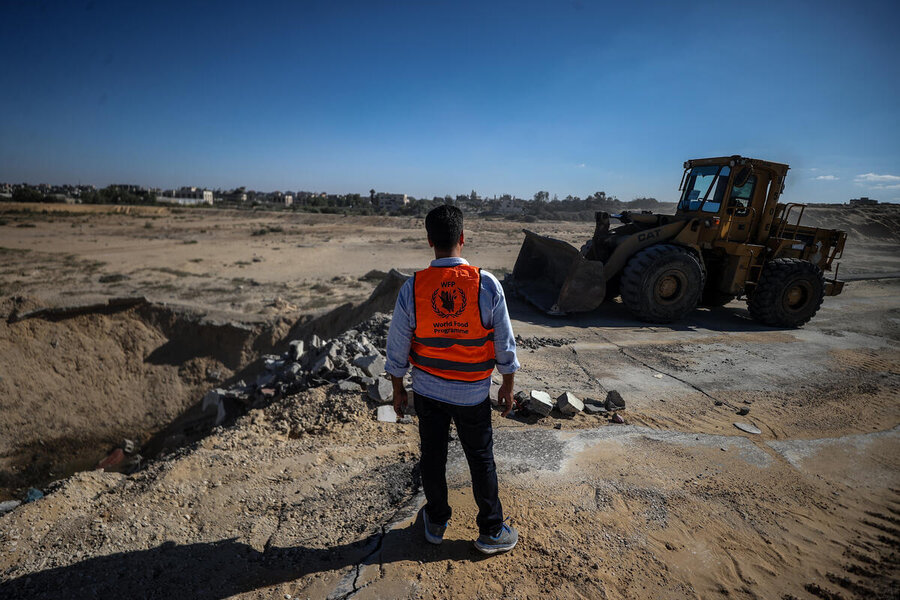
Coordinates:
<point>728,237</point>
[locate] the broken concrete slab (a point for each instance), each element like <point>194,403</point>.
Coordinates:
<point>213,398</point>
<point>386,414</point>
<point>372,365</point>
<point>348,385</point>
<point>748,428</point>
<point>294,370</point>
<point>569,404</point>
<point>296,349</point>
<point>540,402</point>
<point>595,409</point>
<point>7,506</point>
<point>381,391</point>
<point>322,366</point>
<point>614,401</point>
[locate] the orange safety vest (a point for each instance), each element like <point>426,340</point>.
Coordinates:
<point>450,340</point>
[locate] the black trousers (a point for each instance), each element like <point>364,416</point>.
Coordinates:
<point>473,426</point>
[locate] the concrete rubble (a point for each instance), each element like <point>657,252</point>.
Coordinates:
<point>381,391</point>
<point>386,414</point>
<point>568,404</point>
<point>351,361</point>
<point>539,402</point>
<point>614,401</point>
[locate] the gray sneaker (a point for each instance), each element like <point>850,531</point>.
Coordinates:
<point>502,542</point>
<point>434,533</point>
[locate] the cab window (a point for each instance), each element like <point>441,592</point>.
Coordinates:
<point>705,182</point>
<point>742,196</point>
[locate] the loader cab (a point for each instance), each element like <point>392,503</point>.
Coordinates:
<point>741,192</point>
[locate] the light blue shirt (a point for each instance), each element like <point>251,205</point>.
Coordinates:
<point>492,303</point>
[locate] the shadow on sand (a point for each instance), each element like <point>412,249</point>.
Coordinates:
<point>731,318</point>
<point>224,568</point>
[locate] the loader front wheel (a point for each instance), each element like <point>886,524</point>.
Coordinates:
<point>662,283</point>
<point>789,293</point>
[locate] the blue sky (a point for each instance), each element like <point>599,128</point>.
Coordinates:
<point>439,97</point>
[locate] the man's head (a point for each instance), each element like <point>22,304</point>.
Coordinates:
<point>444,225</point>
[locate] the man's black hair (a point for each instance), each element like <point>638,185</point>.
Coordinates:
<point>444,225</point>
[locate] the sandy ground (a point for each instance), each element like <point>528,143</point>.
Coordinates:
<point>311,498</point>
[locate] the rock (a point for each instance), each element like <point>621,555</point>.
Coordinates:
<point>748,428</point>
<point>273,363</point>
<point>367,381</point>
<point>333,350</point>
<point>213,398</point>
<point>540,402</point>
<point>381,391</point>
<point>7,506</point>
<point>372,365</point>
<point>349,386</point>
<point>316,342</point>
<point>743,411</point>
<point>568,404</point>
<point>128,446</point>
<point>659,375</point>
<point>295,370</point>
<point>594,409</point>
<point>36,494</point>
<point>322,366</point>
<point>386,414</point>
<point>296,350</point>
<point>617,419</point>
<point>520,399</point>
<point>614,401</point>
<point>405,419</point>
<point>373,275</point>
<point>557,426</point>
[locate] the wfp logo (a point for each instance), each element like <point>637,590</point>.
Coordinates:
<point>448,302</point>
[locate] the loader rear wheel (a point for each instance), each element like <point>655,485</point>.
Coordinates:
<point>662,283</point>
<point>789,293</point>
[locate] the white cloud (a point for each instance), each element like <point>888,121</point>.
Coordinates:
<point>875,178</point>
<point>895,186</point>
<point>581,165</point>
<point>826,178</point>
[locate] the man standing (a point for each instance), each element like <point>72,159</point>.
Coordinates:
<point>451,323</point>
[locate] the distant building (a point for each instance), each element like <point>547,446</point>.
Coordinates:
<point>186,196</point>
<point>288,199</point>
<point>385,201</point>
<point>864,201</point>
<point>508,205</point>
<point>235,196</point>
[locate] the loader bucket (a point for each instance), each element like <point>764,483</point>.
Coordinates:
<point>555,277</point>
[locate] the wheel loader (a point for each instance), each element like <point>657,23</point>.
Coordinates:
<point>729,237</point>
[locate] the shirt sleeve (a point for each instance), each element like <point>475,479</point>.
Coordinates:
<point>504,339</point>
<point>401,332</point>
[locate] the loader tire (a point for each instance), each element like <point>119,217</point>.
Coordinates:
<point>662,283</point>
<point>789,293</point>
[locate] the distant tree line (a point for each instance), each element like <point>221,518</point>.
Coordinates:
<point>540,207</point>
